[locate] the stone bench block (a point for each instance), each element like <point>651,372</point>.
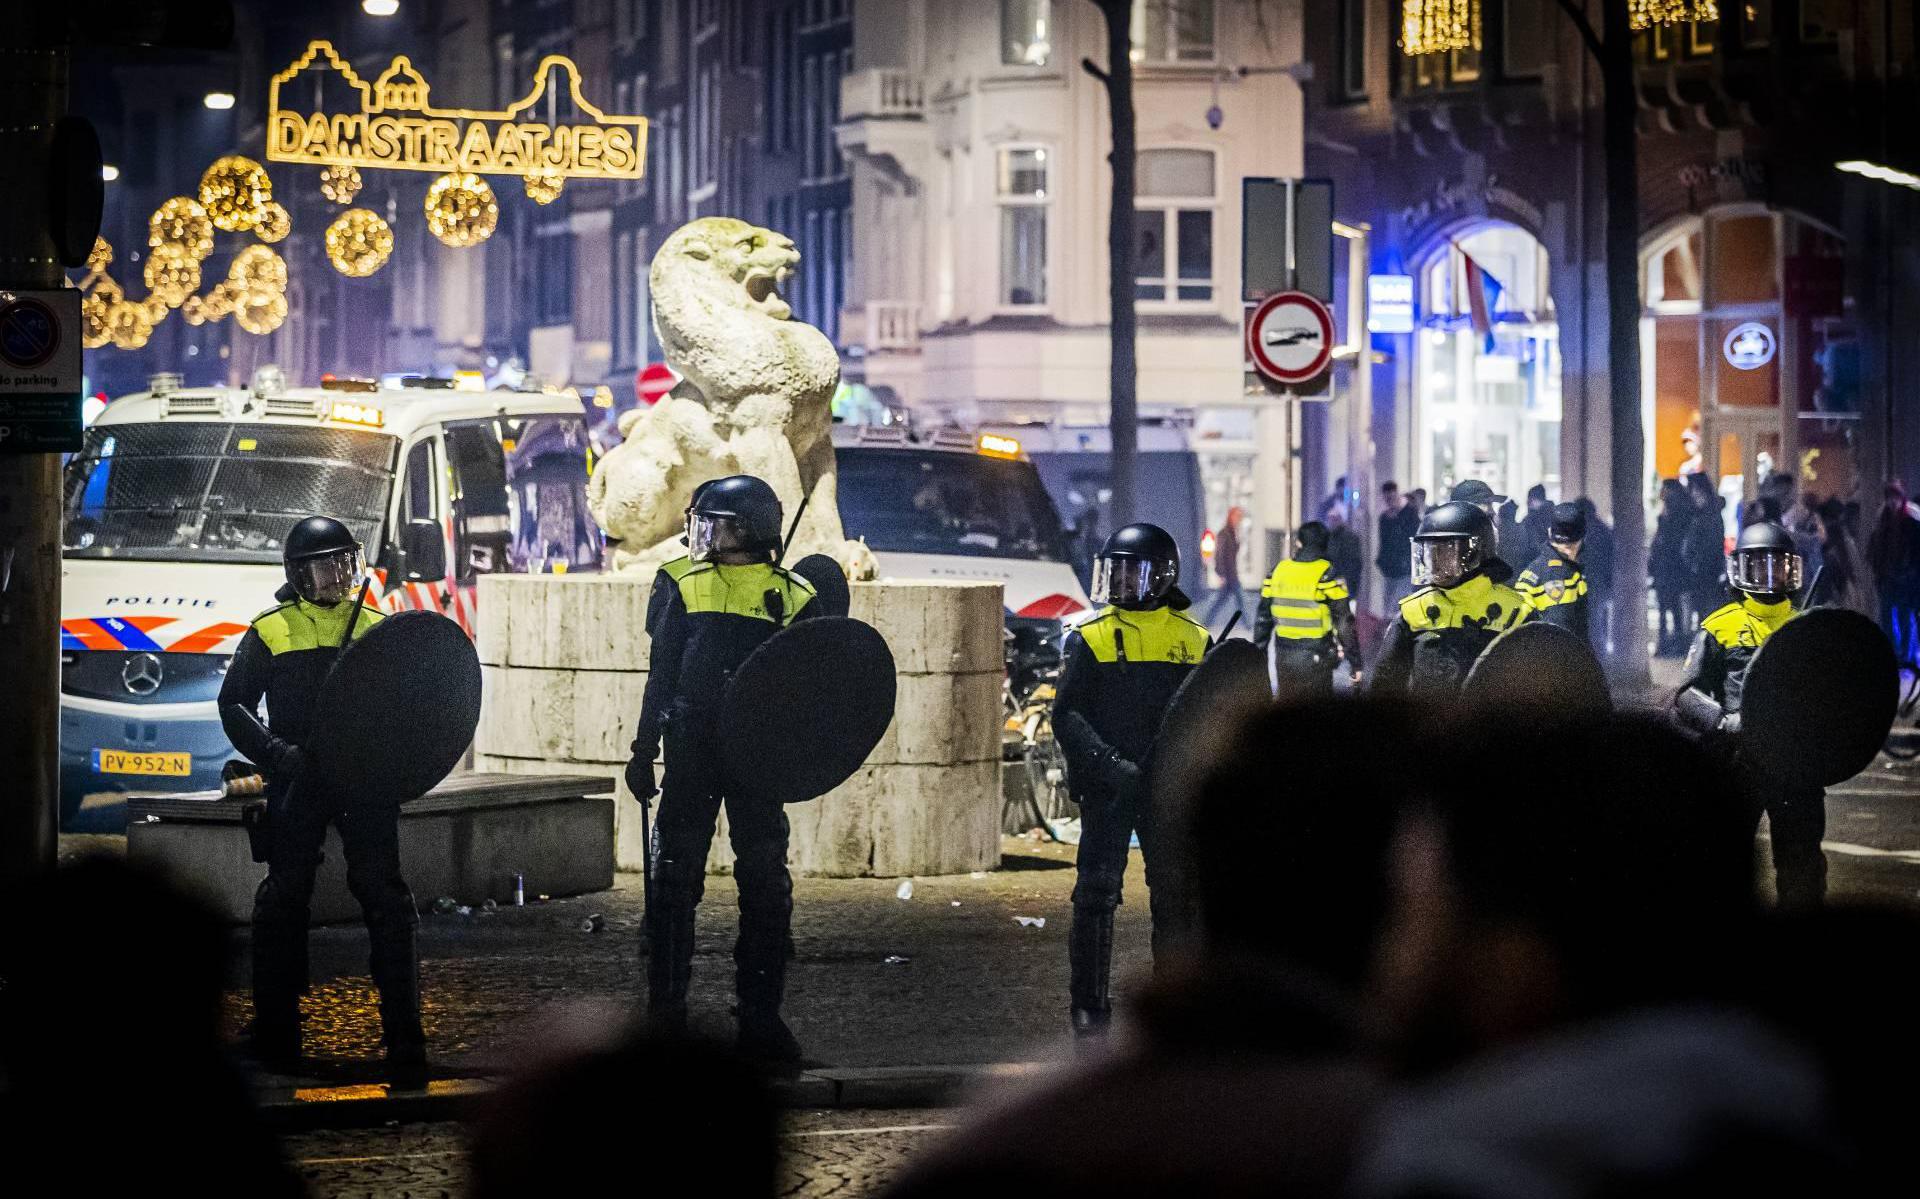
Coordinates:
<point>563,715</point>
<point>564,622</point>
<point>942,718</point>
<point>936,628</point>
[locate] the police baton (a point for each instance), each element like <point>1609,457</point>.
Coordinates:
<point>792,529</point>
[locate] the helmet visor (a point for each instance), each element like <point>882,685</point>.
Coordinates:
<point>1766,572</point>
<point>326,578</point>
<point>1444,561</point>
<point>708,535</point>
<point>1129,582</point>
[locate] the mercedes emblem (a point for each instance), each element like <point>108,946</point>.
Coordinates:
<point>142,673</point>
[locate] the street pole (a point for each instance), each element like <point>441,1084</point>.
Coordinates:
<point>33,97</point>
<point>1123,412</point>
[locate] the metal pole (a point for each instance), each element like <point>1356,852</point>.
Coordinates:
<point>33,97</point>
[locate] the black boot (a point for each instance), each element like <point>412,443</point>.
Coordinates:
<point>279,979</point>
<point>760,984</point>
<point>396,973</point>
<point>669,962</point>
<point>1090,967</point>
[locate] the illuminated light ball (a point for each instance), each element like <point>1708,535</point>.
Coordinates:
<point>257,268</point>
<point>101,256</point>
<point>181,224</point>
<point>194,310</point>
<point>128,325</point>
<point>359,243</point>
<point>172,276</point>
<point>275,223</point>
<point>261,313</point>
<point>94,329</point>
<point>544,185</point>
<point>340,183</point>
<point>235,191</point>
<point>461,210</point>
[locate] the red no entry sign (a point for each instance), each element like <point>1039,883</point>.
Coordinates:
<point>653,382</point>
<point>1290,337</point>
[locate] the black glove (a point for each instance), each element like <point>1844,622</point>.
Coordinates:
<point>1124,777</point>
<point>640,777</point>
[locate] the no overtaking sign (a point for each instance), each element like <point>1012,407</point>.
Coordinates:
<point>1290,337</point>
<point>39,371</point>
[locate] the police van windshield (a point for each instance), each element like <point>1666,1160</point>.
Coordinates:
<point>203,491</point>
<point>942,502</point>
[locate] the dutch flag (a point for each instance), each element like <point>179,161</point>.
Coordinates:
<point>1483,298</point>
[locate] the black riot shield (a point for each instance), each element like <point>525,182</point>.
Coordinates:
<point>398,710</point>
<point>1541,667</point>
<point>829,582</point>
<point>1230,680</point>
<point>1819,698</point>
<point>805,709</point>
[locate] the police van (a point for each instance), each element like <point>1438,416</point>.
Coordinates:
<point>175,510</point>
<point>957,505</point>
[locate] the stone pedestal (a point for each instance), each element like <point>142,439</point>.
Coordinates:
<point>565,660</point>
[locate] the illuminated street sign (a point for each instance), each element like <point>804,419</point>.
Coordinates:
<point>394,125</point>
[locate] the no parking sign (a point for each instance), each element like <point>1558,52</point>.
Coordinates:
<point>39,371</point>
<point>1290,337</point>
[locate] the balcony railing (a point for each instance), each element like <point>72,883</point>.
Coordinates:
<point>882,92</point>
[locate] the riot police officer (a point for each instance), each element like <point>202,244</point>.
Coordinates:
<point>1120,669</point>
<point>1764,574</point>
<point>1457,609</point>
<point>1553,582</point>
<point>709,610</point>
<point>1307,612</point>
<point>283,659</point>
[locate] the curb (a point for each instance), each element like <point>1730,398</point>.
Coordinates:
<point>365,1105</point>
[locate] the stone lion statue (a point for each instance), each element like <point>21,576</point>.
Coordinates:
<point>755,397</point>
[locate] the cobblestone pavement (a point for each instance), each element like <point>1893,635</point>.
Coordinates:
<point>949,976</point>
<point>843,1154</point>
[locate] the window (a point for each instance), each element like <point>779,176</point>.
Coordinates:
<point>1025,33</point>
<point>1527,44</point>
<point>1172,31</point>
<point>520,496</point>
<point>1756,23</point>
<point>417,497</point>
<point>810,118</point>
<point>1022,191</point>
<point>623,277</point>
<point>812,269</point>
<point>1173,226</point>
<point>1353,50</point>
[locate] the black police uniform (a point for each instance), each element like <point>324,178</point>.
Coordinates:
<point>1728,641</point>
<point>1556,587</point>
<point>1439,634</point>
<point>1119,672</point>
<point>706,618</point>
<point>283,658</point>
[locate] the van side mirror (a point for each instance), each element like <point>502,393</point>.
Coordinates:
<point>425,549</point>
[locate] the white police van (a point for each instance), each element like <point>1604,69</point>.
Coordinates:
<point>175,510</point>
<point>959,506</point>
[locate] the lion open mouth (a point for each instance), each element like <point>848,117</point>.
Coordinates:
<point>763,288</point>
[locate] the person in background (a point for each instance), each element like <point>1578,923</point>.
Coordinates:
<point>1226,566</point>
<point>1533,526</point>
<point>1893,555</point>
<point>1344,551</point>
<point>1306,620</point>
<point>1399,519</point>
<point>1841,579</point>
<point>1554,582</point>
<point>1704,548</point>
<point>1668,569</point>
<point>1596,560</point>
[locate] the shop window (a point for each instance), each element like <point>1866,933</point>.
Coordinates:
<point>1172,32</point>
<point>1021,188</point>
<point>1026,32</point>
<point>1745,262</point>
<point>1173,226</point>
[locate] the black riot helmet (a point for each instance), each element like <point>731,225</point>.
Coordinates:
<point>738,516</point>
<point>1137,567</point>
<point>1764,563</point>
<point>1310,541</point>
<point>322,560</point>
<point>1454,542</point>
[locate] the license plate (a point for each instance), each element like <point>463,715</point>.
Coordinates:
<point>127,761</point>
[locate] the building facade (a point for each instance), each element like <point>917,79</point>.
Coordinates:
<point>1769,278</point>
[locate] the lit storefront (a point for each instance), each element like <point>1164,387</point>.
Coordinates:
<point>1749,360</point>
<point>1487,394</point>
